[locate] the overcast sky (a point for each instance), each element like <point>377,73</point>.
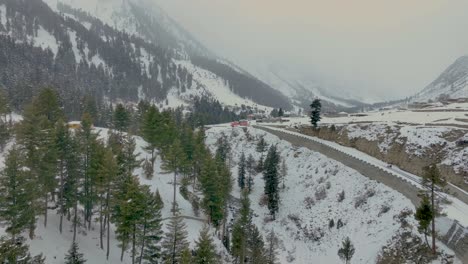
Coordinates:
<point>383,48</point>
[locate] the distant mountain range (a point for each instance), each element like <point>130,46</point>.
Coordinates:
<point>129,50</point>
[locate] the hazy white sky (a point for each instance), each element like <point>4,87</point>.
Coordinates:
<point>383,48</point>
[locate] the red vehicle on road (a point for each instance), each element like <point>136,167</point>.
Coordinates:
<point>243,123</point>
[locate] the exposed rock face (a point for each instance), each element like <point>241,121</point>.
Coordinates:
<point>394,146</point>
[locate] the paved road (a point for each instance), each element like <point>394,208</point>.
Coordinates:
<point>405,186</point>
<point>372,172</point>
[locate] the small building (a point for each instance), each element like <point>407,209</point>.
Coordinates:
<point>74,125</point>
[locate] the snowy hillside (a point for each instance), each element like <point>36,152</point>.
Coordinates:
<point>206,83</point>
<point>54,245</point>
<point>369,211</point>
<point>452,83</point>
<point>138,17</point>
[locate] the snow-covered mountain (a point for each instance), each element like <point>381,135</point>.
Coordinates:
<point>147,20</point>
<point>116,50</point>
<point>452,83</point>
<point>137,17</point>
<point>302,88</point>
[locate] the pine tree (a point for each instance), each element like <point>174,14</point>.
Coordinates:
<point>241,228</point>
<point>150,228</point>
<point>17,251</point>
<point>346,251</point>
<point>186,256</point>
<point>47,104</point>
<point>187,140</point>
<point>73,256</point>
<point>251,169</point>
<point>175,240</point>
<point>424,216</point>
<point>316,108</point>
<point>256,246</point>
<point>205,252</point>
<point>223,152</point>
<point>200,152</point>
<point>212,200</point>
<point>4,106</point>
<point>272,248</point>
<point>137,120</point>
<point>128,211</point>
<point>62,139</point>
<point>241,179</point>
<point>173,161</point>
<point>148,169</point>
<point>72,182</point>
<point>106,175</point>
<point>271,178</point>
<point>283,173</point>
<point>88,142</point>
<point>281,112</point>
<point>151,131</point>
<point>274,113</point>
<point>4,128</point>
<point>261,145</point>
<point>121,118</point>
<point>238,242</point>
<point>15,194</point>
<point>36,136</point>
<point>431,180</point>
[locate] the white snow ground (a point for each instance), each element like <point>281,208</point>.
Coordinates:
<point>298,223</point>
<point>457,210</point>
<point>55,245</point>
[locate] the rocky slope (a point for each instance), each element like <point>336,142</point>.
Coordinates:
<point>452,83</point>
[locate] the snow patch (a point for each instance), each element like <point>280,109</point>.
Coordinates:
<point>418,139</point>
<point>76,51</point>
<point>3,18</point>
<point>208,83</point>
<point>46,40</point>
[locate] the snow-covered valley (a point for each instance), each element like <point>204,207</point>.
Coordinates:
<point>310,201</point>
<point>367,212</point>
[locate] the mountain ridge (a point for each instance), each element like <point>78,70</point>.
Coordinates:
<point>451,83</point>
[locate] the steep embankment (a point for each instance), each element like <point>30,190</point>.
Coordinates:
<point>54,245</point>
<point>409,147</point>
<point>453,233</point>
<point>319,207</point>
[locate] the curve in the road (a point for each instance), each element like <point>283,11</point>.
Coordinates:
<point>405,183</point>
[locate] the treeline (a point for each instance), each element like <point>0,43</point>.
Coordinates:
<point>88,178</point>
<point>207,111</point>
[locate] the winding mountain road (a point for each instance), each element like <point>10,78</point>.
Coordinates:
<point>406,183</point>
